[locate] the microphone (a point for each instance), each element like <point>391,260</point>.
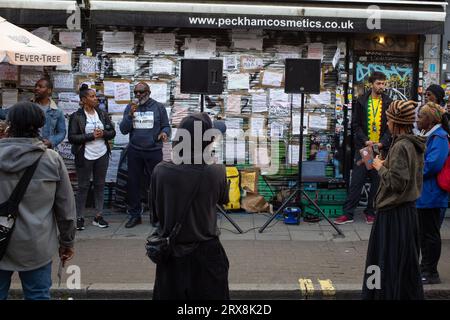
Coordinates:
<point>135,101</point>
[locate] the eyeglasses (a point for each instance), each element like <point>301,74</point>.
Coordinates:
<point>140,91</point>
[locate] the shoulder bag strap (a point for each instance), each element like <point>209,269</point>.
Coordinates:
<point>21,187</point>
<point>180,221</point>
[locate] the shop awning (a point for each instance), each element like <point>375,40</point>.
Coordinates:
<point>37,12</point>
<point>20,47</point>
<point>400,16</point>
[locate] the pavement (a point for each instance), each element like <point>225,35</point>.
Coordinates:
<point>306,261</point>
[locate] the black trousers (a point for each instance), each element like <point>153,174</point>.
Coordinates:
<point>430,239</point>
<point>357,181</point>
<point>200,275</point>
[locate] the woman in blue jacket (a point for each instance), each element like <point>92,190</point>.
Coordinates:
<point>433,123</point>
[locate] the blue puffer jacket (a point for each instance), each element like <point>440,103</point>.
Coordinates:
<point>435,155</point>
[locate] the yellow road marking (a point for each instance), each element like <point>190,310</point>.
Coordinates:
<point>306,286</point>
<point>327,287</point>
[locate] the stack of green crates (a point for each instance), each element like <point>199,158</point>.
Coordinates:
<point>329,200</point>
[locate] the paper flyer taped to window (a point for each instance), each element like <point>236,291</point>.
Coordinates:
<point>238,81</point>
<point>118,42</point>
<point>122,91</point>
<point>233,104</point>
<point>124,65</point>
<point>272,78</point>
<point>9,72</point>
<point>159,91</point>
<point>9,97</point>
<point>163,66</point>
<point>159,43</point>
<point>199,48</point>
<point>63,80</point>
<point>70,39</point>
<point>251,63</point>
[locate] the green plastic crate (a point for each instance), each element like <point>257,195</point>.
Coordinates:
<point>331,211</point>
<point>331,196</point>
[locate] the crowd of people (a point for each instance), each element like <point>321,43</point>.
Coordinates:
<point>405,204</point>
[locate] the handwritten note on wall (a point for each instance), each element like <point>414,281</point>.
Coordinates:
<point>251,63</point>
<point>157,43</point>
<point>9,72</point>
<point>88,65</point>
<point>238,81</point>
<point>63,81</point>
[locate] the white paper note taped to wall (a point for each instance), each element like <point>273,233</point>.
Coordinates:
<point>238,81</point>
<point>251,63</point>
<point>318,121</point>
<point>9,97</point>
<point>324,98</point>
<point>157,43</point>
<point>230,62</point>
<point>259,102</point>
<point>315,50</point>
<point>257,126</point>
<point>124,66</point>
<point>293,154</point>
<point>159,91</point>
<point>272,78</point>
<point>63,81</point>
<point>70,39</point>
<point>163,66</point>
<point>29,79</point>
<point>276,129</point>
<point>118,42</point>
<point>113,166</point>
<point>108,88</point>
<point>114,107</point>
<point>122,91</point>
<point>9,72</point>
<point>119,139</point>
<point>88,65</point>
<point>199,48</point>
<point>233,104</point>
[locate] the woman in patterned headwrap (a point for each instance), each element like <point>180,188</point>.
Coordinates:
<point>433,123</point>
<point>392,266</point>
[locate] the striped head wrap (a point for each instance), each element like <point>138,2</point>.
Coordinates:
<point>402,112</point>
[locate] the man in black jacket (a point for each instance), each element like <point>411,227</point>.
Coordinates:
<point>369,126</point>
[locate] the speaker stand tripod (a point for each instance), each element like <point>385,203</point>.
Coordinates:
<point>299,187</point>
<point>220,208</point>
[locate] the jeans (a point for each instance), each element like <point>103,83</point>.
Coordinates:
<point>358,179</point>
<point>98,170</point>
<point>140,163</point>
<point>35,283</point>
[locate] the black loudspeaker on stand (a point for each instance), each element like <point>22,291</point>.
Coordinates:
<point>301,76</point>
<point>203,76</point>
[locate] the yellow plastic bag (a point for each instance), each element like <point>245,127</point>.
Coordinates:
<point>234,192</point>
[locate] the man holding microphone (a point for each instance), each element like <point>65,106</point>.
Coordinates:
<point>148,125</point>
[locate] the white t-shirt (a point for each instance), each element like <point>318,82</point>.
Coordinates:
<point>96,148</point>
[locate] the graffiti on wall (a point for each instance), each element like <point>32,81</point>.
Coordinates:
<point>399,78</point>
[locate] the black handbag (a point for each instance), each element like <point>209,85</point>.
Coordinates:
<point>159,248</point>
<point>9,210</point>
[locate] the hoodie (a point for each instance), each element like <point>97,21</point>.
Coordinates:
<point>401,174</point>
<point>437,151</point>
<point>47,207</point>
<point>149,120</point>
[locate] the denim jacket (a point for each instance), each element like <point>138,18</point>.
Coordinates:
<point>54,128</point>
